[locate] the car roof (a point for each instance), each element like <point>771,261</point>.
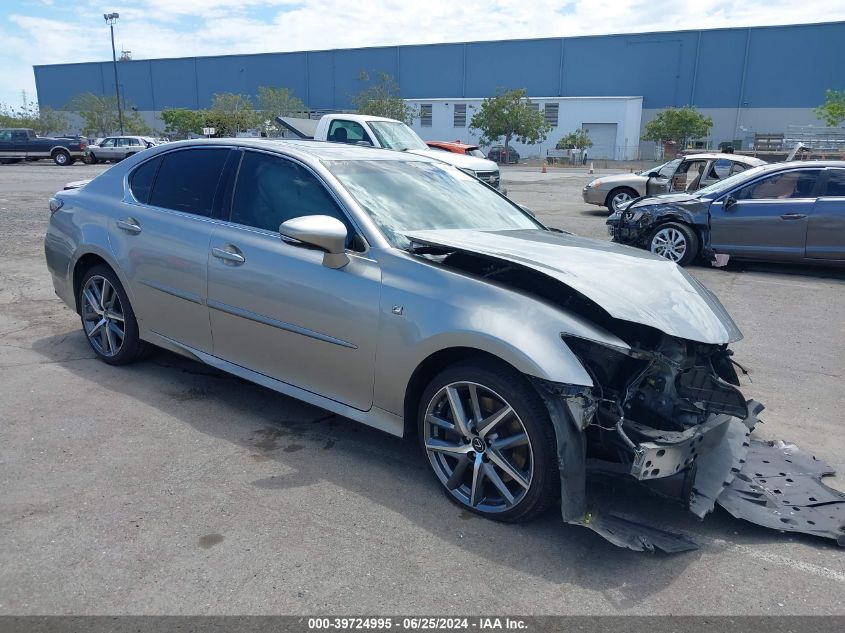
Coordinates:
<point>301,148</point>
<point>737,158</point>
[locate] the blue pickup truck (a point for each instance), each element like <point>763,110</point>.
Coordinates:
<point>17,144</point>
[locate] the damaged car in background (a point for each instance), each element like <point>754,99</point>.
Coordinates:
<point>400,292</point>
<point>785,212</point>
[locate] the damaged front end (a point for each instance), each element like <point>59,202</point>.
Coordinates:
<point>667,413</point>
<point>663,410</point>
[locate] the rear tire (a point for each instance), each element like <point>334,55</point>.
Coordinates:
<point>675,241</point>
<point>506,471</point>
<point>108,321</point>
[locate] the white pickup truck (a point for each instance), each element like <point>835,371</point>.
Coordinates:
<point>362,129</point>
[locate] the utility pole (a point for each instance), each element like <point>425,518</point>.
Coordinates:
<point>110,19</point>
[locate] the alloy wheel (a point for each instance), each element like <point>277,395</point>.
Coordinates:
<point>619,198</point>
<point>669,243</point>
<point>102,316</point>
<point>478,447</point>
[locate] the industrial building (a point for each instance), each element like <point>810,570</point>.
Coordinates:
<point>751,81</point>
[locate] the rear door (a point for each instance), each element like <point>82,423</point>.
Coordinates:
<point>161,240</point>
<point>826,227</point>
<point>122,148</point>
<point>769,217</point>
<point>274,307</point>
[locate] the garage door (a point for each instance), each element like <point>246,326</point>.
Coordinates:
<point>603,136</point>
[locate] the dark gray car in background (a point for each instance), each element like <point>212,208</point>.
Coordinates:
<point>785,212</point>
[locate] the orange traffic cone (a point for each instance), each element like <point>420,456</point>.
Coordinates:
<point>544,170</point>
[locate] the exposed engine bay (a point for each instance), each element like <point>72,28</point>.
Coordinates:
<point>666,412</point>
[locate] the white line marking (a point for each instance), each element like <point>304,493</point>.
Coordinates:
<point>777,559</point>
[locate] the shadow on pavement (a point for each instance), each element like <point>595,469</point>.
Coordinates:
<point>316,446</point>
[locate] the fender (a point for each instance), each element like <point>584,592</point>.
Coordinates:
<point>520,329</point>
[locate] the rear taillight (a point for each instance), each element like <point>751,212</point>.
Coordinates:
<point>82,145</point>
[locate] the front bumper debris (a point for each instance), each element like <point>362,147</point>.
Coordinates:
<point>780,487</point>
<point>771,484</point>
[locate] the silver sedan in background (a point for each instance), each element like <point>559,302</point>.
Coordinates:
<point>398,291</point>
<point>687,174</point>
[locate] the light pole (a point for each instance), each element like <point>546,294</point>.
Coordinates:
<point>110,19</point>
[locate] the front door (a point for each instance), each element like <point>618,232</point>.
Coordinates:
<point>662,180</point>
<point>274,307</point>
<point>767,218</point>
<point>826,228</point>
<point>161,240</point>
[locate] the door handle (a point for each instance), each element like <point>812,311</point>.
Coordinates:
<point>130,225</point>
<point>228,256</point>
<point>793,216</point>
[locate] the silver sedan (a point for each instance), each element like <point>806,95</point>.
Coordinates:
<point>687,174</point>
<point>400,292</point>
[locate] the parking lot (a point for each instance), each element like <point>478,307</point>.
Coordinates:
<point>167,487</point>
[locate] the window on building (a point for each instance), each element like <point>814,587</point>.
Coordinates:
<point>550,113</point>
<point>425,115</point>
<point>534,106</point>
<point>187,180</point>
<point>460,118</point>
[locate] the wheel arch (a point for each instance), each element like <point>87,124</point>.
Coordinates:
<point>614,190</point>
<point>428,368</point>
<point>86,260</point>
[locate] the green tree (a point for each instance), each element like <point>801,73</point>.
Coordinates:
<point>181,122</point>
<point>50,121</point>
<point>509,114</point>
<point>382,98</point>
<point>678,125</point>
<point>577,139</point>
<point>134,123</point>
<point>273,102</point>
<point>832,111</point>
<point>98,114</point>
<point>43,120</point>
<point>231,114</point>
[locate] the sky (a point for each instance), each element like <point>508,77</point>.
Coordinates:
<point>59,31</point>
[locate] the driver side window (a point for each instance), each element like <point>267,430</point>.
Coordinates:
<point>341,131</point>
<point>783,185</point>
<point>272,190</point>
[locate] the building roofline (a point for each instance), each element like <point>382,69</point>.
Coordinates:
<point>455,43</point>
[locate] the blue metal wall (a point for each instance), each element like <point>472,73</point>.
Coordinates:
<point>764,67</point>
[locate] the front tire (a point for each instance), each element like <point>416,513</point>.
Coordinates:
<point>108,320</point>
<point>618,196</point>
<point>489,441</point>
<point>675,241</point>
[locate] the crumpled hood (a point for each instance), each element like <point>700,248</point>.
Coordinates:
<point>661,203</point>
<point>630,284</point>
<point>461,161</point>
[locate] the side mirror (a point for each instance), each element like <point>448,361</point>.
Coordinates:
<point>654,174</point>
<point>324,232</point>
<point>730,202</point>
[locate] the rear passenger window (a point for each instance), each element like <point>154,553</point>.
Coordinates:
<point>835,183</point>
<point>187,180</point>
<point>271,190</point>
<point>142,180</point>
